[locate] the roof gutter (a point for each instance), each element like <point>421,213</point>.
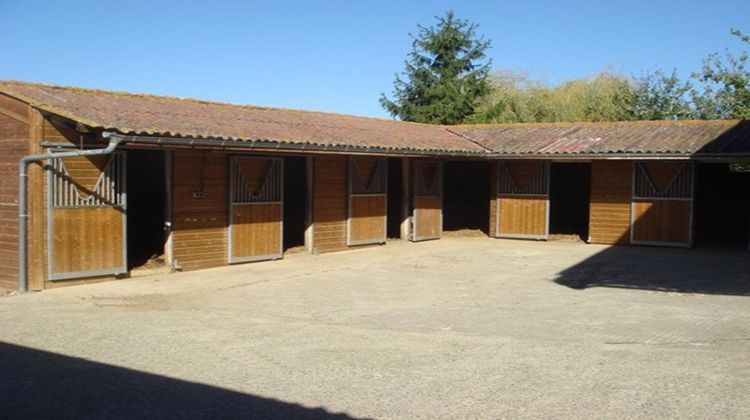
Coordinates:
<point>23,175</point>
<point>269,146</point>
<point>614,155</point>
<point>291,147</point>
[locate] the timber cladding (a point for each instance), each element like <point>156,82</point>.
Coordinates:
<point>87,239</point>
<point>256,231</point>
<point>367,224</point>
<point>428,211</point>
<point>329,203</point>
<point>523,216</point>
<point>14,135</point>
<point>662,221</point>
<point>611,194</point>
<point>200,200</point>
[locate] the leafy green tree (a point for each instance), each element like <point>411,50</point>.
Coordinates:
<point>658,96</point>
<point>726,85</point>
<point>516,97</point>
<point>604,97</point>
<point>445,75</point>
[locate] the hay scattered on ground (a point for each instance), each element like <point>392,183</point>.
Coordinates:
<point>465,233</point>
<point>566,237</point>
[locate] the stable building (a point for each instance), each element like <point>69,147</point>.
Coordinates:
<point>113,184</point>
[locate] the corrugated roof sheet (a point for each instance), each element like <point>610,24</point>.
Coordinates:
<point>633,137</point>
<point>150,115</point>
<point>167,116</point>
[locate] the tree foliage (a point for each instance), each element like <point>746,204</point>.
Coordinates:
<point>726,84</point>
<point>446,83</point>
<point>445,75</point>
<point>658,96</point>
<point>518,98</point>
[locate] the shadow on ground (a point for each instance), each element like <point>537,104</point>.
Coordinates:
<point>39,384</point>
<point>707,271</point>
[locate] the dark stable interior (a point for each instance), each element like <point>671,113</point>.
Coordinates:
<point>294,201</point>
<point>570,194</point>
<point>146,201</point>
<point>395,189</point>
<point>466,196</point>
<point>721,206</point>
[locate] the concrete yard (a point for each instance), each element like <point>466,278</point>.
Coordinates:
<point>456,328</point>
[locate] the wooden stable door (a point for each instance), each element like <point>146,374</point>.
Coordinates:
<point>522,199</point>
<point>255,207</point>
<point>367,200</point>
<point>662,206</point>
<point>427,216</point>
<point>87,218</point>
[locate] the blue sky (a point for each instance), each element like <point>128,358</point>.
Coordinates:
<point>338,56</point>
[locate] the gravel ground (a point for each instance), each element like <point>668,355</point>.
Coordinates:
<point>462,327</point>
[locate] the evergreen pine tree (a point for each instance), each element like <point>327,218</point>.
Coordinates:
<point>445,78</point>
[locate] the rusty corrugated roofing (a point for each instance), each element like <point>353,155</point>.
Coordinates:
<point>150,115</point>
<point>168,116</point>
<point>632,137</point>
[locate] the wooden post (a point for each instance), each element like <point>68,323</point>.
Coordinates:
<point>405,199</point>
<point>37,210</point>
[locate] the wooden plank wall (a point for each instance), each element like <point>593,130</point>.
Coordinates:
<point>199,225</point>
<point>428,212</point>
<point>368,218</point>
<point>329,203</point>
<point>256,230</point>
<point>14,138</point>
<point>611,192</point>
<point>523,215</point>
<point>79,242</point>
<point>56,131</point>
<point>664,221</point>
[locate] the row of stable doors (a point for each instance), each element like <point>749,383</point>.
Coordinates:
<point>661,201</point>
<point>256,205</point>
<point>87,211</point>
